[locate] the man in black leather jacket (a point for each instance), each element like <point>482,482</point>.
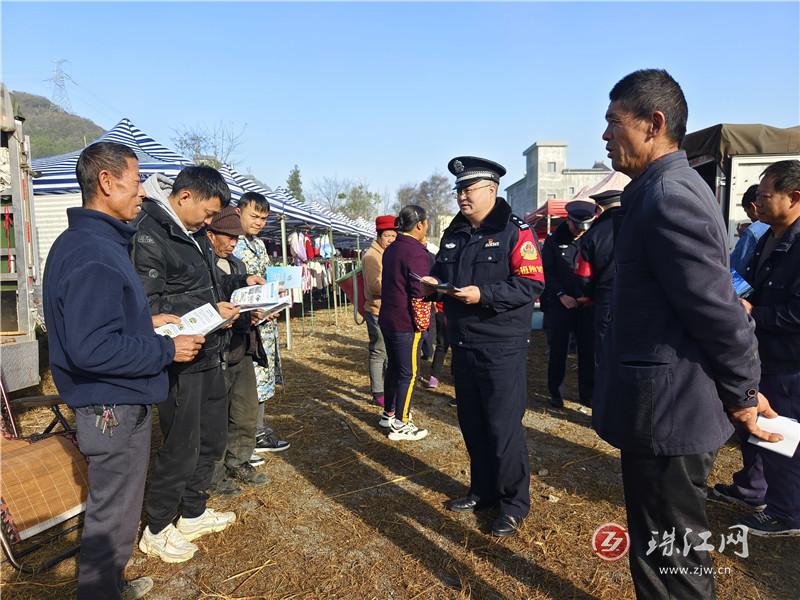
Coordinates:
<point>175,262</point>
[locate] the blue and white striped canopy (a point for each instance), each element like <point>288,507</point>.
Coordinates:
<point>57,176</point>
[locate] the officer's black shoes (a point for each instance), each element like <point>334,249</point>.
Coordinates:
<point>506,525</point>
<point>465,504</point>
<point>556,402</point>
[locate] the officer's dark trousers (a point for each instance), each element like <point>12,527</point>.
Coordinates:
<point>402,352</point>
<point>561,322</point>
<point>662,493</point>
<point>491,395</point>
<point>117,471</point>
<point>193,423</point>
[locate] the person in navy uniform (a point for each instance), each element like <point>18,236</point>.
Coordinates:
<point>490,258</point>
<point>596,266</point>
<point>565,313</point>
<point>683,358</point>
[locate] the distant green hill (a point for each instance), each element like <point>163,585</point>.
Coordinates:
<point>52,131</point>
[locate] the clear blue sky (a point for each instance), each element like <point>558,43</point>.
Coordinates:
<point>388,93</point>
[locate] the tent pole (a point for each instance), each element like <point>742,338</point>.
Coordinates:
<point>286,262</point>
<point>333,282</point>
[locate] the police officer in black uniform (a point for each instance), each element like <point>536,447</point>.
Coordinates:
<point>596,265</point>
<point>491,259</point>
<point>566,309</point>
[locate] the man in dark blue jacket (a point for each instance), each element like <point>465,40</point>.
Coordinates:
<point>491,259</point>
<point>683,359</point>
<point>564,313</point>
<point>770,480</point>
<point>107,362</point>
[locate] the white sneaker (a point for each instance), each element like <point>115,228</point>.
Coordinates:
<point>386,420</point>
<point>406,431</point>
<point>209,522</point>
<point>169,544</point>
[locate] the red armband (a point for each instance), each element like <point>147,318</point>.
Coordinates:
<point>582,267</point>
<point>525,258</point>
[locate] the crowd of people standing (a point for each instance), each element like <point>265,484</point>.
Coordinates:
<point>669,356</point>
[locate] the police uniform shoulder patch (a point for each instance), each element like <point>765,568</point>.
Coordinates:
<point>519,222</point>
<point>528,251</point>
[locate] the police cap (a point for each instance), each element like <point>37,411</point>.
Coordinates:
<point>581,212</point>
<point>469,169</point>
<point>607,198</point>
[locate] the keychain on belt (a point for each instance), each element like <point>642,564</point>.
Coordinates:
<point>106,420</point>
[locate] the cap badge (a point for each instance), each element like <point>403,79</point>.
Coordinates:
<point>458,167</point>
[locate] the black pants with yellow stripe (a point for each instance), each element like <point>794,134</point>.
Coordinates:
<point>402,353</point>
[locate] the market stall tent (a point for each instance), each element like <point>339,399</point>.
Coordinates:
<point>56,186</point>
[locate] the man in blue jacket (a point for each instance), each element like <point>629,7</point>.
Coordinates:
<point>743,251</point>
<point>107,362</point>
<point>683,357</point>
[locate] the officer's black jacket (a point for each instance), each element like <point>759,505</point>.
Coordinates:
<point>597,248</point>
<point>682,349</point>
<point>559,254</point>
<point>776,302</point>
<point>177,277</point>
<point>482,258</point>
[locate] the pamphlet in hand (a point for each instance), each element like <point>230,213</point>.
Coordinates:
<point>788,428</point>
<point>200,321</point>
<point>740,286</point>
<point>256,296</point>
<point>267,311</point>
<point>439,287</point>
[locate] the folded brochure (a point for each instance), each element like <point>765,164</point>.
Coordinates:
<point>256,296</point>
<point>200,321</point>
<point>439,287</point>
<point>788,428</point>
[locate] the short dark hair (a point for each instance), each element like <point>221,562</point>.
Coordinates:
<point>646,91</point>
<point>749,197</point>
<point>100,156</point>
<point>204,181</point>
<point>409,216</point>
<point>784,174</point>
<point>258,200</point>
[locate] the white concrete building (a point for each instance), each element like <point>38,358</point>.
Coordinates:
<point>547,177</point>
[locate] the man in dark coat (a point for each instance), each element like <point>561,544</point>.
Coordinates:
<point>491,260</point>
<point>596,266</point>
<point>770,480</point>
<point>566,311</point>
<point>175,263</point>
<point>684,356</point>
<point>107,362</point>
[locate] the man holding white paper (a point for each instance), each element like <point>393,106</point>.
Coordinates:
<point>175,264</point>
<point>769,477</point>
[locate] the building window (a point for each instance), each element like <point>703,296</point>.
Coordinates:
<point>551,196</point>
<point>551,167</point>
<point>571,191</point>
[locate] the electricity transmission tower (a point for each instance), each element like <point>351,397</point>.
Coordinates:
<point>59,96</point>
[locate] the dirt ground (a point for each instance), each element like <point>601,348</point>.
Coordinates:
<point>351,515</point>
